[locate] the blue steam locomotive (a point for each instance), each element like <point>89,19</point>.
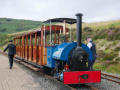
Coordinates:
<point>69,61</point>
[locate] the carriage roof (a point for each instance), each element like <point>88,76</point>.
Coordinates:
<point>67,20</point>
<point>54,28</point>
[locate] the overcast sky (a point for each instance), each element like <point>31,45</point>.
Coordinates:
<point>93,10</point>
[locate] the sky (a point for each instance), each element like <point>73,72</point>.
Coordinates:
<point>40,10</point>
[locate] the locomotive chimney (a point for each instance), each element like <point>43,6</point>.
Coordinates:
<point>79,29</point>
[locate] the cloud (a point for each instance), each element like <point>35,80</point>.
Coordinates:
<point>93,10</point>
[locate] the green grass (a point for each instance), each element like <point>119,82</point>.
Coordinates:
<point>99,66</point>
<point>1,48</point>
<point>103,25</point>
<point>8,26</point>
<point>112,68</point>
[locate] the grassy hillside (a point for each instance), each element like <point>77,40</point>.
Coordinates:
<point>8,25</point>
<point>106,35</point>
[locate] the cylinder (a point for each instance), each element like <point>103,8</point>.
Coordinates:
<point>79,29</point>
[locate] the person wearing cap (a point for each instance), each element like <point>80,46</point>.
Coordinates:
<point>92,47</point>
<point>11,52</point>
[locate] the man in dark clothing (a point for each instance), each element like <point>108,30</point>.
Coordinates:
<point>92,47</point>
<point>11,52</point>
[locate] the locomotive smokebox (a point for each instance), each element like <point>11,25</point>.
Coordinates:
<point>79,55</point>
<point>79,29</point>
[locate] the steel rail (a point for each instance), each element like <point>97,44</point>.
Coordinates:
<point>111,77</point>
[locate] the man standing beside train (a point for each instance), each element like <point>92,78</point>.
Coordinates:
<point>92,47</point>
<point>11,52</point>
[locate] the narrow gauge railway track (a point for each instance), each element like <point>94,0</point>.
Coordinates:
<point>110,77</point>
<point>48,76</point>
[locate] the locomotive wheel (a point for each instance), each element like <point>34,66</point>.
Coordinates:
<point>48,70</point>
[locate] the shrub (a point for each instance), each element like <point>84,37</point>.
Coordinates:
<point>87,29</point>
<point>114,68</point>
<point>117,59</point>
<point>8,19</point>
<point>100,53</point>
<point>99,66</point>
<point>115,35</point>
<point>100,35</point>
<point>112,26</point>
<point>3,30</point>
<point>110,56</point>
<point>19,29</point>
<point>117,48</point>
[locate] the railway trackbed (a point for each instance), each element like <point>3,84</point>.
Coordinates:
<point>110,77</point>
<point>52,78</point>
<point>76,87</point>
<point>90,87</point>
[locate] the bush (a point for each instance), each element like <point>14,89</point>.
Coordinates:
<point>117,48</point>
<point>8,19</point>
<point>112,26</point>
<point>87,29</point>
<point>117,59</point>
<point>100,53</point>
<point>100,35</point>
<point>4,39</point>
<point>114,68</point>
<point>110,56</point>
<point>3,30</point>
<point>115,35</point>
<point>99,66</point>
<point>19,29</point>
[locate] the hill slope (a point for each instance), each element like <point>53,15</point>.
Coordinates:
<point>106,35</point>
<point>8,25</point>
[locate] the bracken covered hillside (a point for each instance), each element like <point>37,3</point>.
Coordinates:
<point>106,35</point>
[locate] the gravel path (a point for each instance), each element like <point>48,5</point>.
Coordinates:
<point>22,78</point>
<point>106,85</point>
